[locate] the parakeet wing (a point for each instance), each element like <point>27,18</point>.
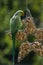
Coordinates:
<point>15,24</point>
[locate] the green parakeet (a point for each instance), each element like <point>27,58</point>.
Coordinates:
<point>15,25</point>
<point>15,21</point>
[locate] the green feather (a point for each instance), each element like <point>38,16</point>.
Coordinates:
<point>15,24</point>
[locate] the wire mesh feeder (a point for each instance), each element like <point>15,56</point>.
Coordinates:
<point>24,49</point>
<point>37,48</point>
<point>39,34</point>
<point>30,26</point>
<point>21,36</point>
<point>27,47</point>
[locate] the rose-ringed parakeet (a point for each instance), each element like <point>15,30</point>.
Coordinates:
<point>15,25</point>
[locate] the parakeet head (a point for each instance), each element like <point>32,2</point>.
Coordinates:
<point>19,13</point>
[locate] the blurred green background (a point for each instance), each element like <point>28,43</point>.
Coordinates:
<point>7,9</point>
